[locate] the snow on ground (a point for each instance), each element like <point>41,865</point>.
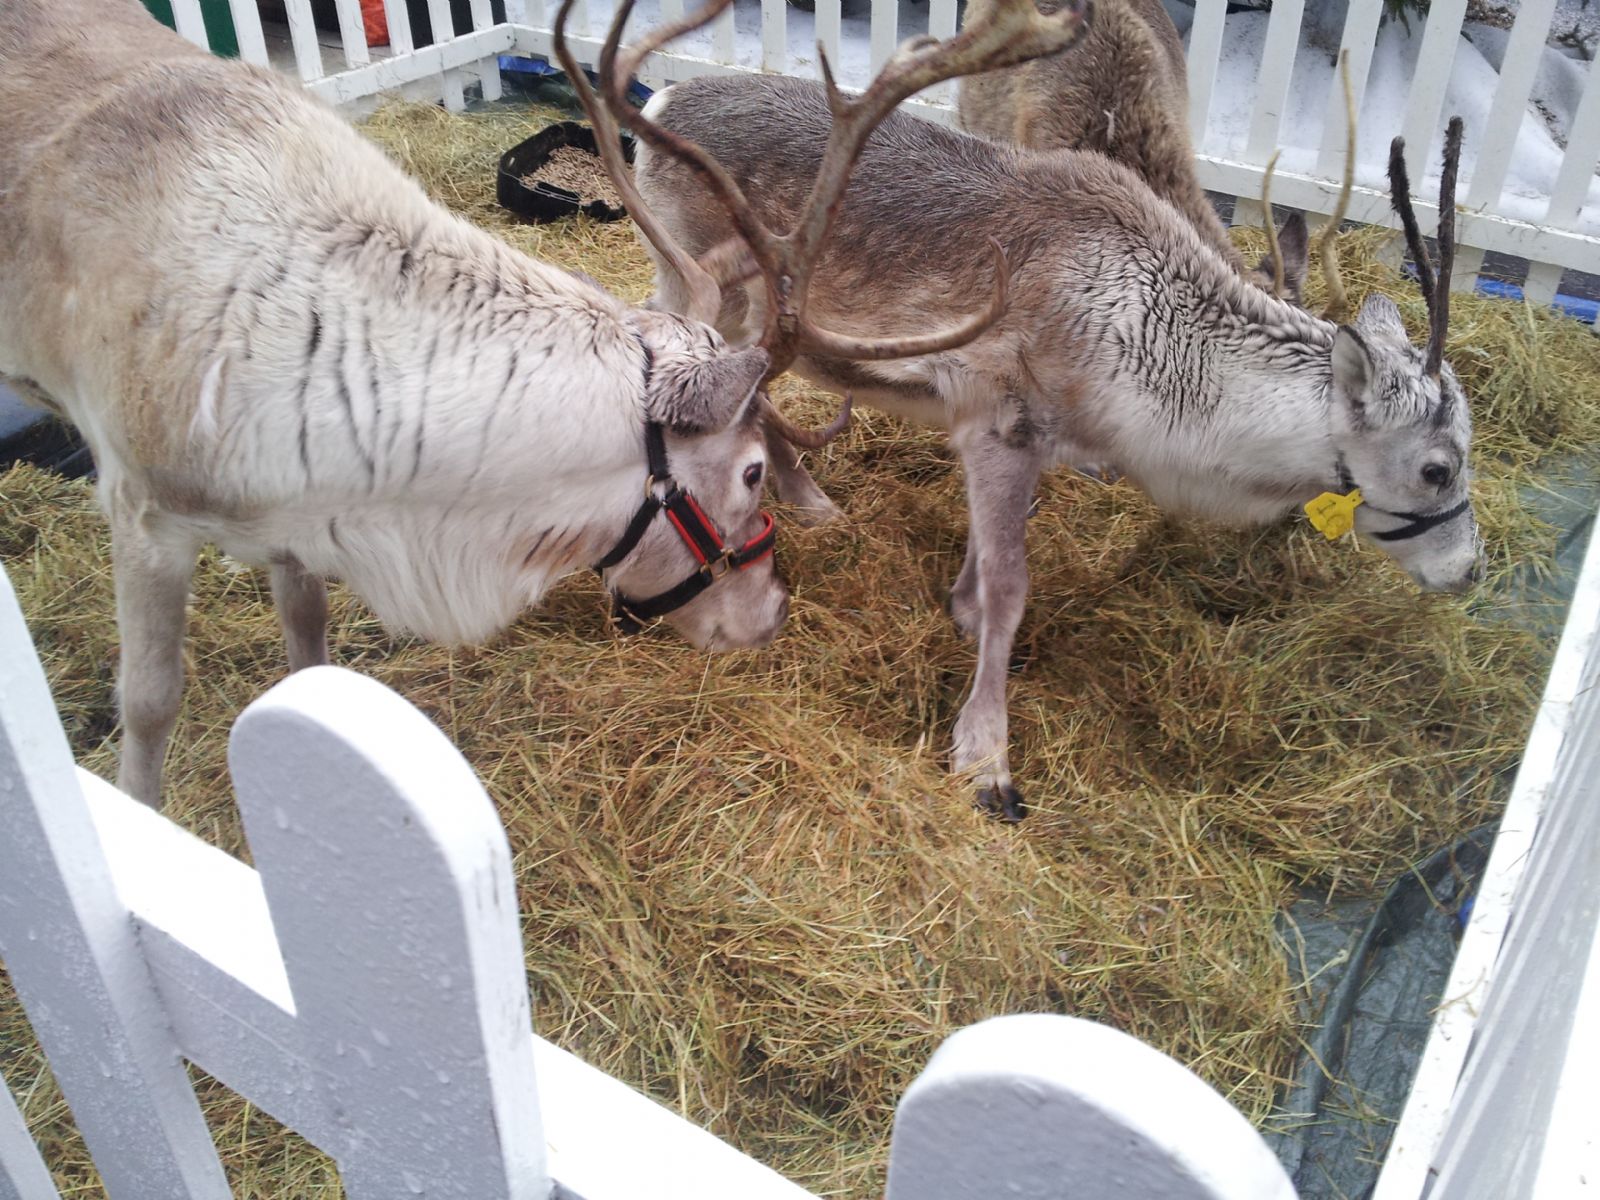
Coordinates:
<point>1473,79</point>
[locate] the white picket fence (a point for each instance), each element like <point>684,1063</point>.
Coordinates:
<point>1553,232</point>
<point>364,984</point>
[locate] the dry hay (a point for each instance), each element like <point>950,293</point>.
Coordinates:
<point>748,886</point>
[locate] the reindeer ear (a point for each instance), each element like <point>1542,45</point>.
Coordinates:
<point>1352,372</point>
<point>1378,316</point>
<point>1294,243</point>
<point>697,397</point>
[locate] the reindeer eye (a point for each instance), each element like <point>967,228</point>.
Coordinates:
<point>1436,474</point>
<point>752,475</point>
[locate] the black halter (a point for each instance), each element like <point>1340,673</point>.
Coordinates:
<point>1417,523</point>
<point>697,532</point>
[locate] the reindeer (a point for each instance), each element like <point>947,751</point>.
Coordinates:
<point>274,342</point>
<point>1122,92</point>
<point>1128,338</point>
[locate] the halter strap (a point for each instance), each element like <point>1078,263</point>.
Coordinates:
<point>1416,523</point>
<point>696,529</point>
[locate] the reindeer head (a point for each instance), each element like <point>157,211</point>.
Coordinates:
<point>1401,426</point>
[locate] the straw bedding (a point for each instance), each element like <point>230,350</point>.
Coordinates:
<point>748,886</point>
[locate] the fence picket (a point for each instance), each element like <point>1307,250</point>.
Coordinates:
<point>23,1175</point>
<point>774,36</point>
<point>247,31</point>
<point>942,24</point>
<point>1517,72</point>
<point>397,16</point>
<point>1205,51</point>
<point>1577,165</point>
<point>884,35</point>
<point>1272,84</point>
<point>352,33</point>
<point>303,34</point>
<point>1070,1108</point>
<point>452,83</point>
<point>410,998</point>
<point>489,68</point>
<point>188,20</point>
<point>828,21</point>
<point>1357,43</point>
<point>74,959</point>
<point>1440,40</point>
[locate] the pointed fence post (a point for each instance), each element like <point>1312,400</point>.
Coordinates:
<point>388,877</point>
<point>22,1171</point>
<point>69,944</point>
<point>1056,1108</point>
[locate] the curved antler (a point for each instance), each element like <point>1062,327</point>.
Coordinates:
<point>1012,32</point>
<point>1328,248</point>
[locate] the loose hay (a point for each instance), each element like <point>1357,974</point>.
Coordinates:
<point>748,886</point>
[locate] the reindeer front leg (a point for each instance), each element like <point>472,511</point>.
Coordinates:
<point>1002,469</point>
<point>152,567</point>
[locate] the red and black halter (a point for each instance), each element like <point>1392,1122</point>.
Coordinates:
<point>662,493</point>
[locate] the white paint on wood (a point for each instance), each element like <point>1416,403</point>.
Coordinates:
<point>1541,284</point>
<point>398,18</point>
<point>942,25</point>
<point>1523,54</point>
<point>1428,1107</point>
<point>452,83</point>
<point>774,36</point>
<point>411,997</point>
<point>1272,84</point>
<point>430,61</point>
<point>1045,1107</point>
<point>1359,37</point>
<point>722,34</point>
<point>1440,40</point>
<point>884,34</point>
<point>247,31</point>
<point>828,18</point>
<point>23,1175</point>
<point>188,20</point>
<point>1577,165</point>
<point>1205,49</point>
<point>489,68</point>
<point>70,950</point>
<point>588,1115</point>
<point>352,33</point>
<point>303,35</point>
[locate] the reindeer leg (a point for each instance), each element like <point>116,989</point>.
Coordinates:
<point>302,603</point>
<point>794,485</point>
<point>962,604</point>
<point>152,569</point>
<point>1002,469</point>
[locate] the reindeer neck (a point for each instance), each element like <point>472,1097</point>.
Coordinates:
<point>1229,414</point>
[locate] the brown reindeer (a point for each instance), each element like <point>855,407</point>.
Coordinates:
<point>1128,339</point>
<point>1122,92</point>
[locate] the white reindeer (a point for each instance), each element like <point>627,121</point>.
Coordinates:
<point>273,341</point>
<point>1128,340</point>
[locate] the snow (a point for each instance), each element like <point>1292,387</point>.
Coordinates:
<point>1473,79</point>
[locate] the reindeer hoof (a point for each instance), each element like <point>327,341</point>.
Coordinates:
<point>1003,801</point>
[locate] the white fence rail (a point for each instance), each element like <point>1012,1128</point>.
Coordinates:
<point>364,985</point>
<point>1546,211</point>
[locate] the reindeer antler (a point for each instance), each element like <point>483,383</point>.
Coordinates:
<point>1328,248</point>
<point>1012,32</point>
<point>1435,290</point>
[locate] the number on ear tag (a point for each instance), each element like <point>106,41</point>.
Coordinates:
<point>1334,515</point>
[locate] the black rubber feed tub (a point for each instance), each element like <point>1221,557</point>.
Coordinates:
<point>541,201</point>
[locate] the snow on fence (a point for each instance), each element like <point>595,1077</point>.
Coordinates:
<point>364,984</point>
<point>1258,82</point>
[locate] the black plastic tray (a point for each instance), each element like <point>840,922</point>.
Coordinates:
<point>544,201</point>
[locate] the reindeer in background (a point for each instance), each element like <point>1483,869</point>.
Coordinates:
<point>1128,338</point>
<point>1122,92</point>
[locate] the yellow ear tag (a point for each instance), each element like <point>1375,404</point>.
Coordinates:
<point>1334,515</point>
